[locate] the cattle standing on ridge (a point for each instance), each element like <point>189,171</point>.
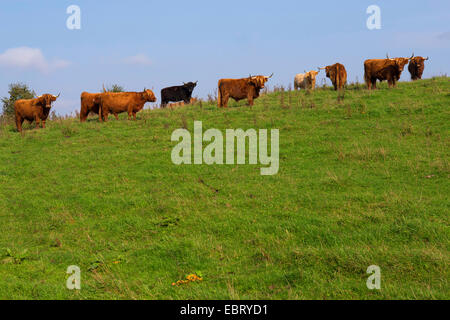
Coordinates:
<point>130,102</point>
<point>305,80</point>
<point>177,93</point>
<point>337,74</point>
<point>31,110</point>
<point>238,89</point>
<point>416,67</point>
<point>384,69</point>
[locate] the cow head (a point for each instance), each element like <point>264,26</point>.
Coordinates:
<point>330,71</point>
<point>190,86</point>
<point>312,75</point>
<point>419,60</point>
<point>148,95</point>
<point>401,62</point>
<point>46,100</point>
<point>259,81</point>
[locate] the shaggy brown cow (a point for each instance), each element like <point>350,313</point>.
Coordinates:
<point>416,67</point>
<point>118,102</point>
<point>337,74</point>
<point>384,69</point>
<point>238,89</point>
<point>33,110</point>
<point>90,102</point>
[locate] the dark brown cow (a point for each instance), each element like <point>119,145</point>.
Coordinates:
<point>90,102</point>
<point>130,102</point>
<point>337,74</point>
<point>384,69</point>
<point>239,89</point>
<point>416,67</point>
<point>33,110</point>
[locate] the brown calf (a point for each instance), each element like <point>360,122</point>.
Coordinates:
<point>90,102</point>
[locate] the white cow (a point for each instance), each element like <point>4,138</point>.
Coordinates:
<point>305,80</point>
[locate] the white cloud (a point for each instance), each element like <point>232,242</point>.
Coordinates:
<point>139,59</point>
<point>30,58</point>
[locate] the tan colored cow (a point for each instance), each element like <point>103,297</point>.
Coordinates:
<point>305,80</point>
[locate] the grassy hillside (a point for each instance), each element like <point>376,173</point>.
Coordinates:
<point>362,182</point>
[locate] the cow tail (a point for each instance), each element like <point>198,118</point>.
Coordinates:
<point>338,77</point>
<point>219,96</point>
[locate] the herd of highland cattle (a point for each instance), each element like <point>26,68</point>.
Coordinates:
<point>249,88</point>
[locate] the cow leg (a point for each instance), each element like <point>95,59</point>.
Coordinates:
<point>134,116</point>
<point>19,122</point>
<point>374,84</point>
<point>105,115</point>
<point>36,119</point>
<point>250,100</point>
<point>116,116</point>
<point>225,101</point>
<point>43,124</point>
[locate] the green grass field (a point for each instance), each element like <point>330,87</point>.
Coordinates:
<point>363,181</point>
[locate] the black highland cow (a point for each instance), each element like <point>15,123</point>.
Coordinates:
<point>177,93</point>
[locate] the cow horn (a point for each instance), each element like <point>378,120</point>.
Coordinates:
<point>387,56</point>
<point>104,90</point>
<point>57,95</point>
<point>412,56</point>
<point>271,75</point>
<point>428,58</point>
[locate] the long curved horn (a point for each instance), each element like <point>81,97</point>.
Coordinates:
<point>271,75</point>
<point>412,56</point>
<point>57,95</point>
<point>428,58</point>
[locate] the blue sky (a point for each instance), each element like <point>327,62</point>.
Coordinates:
<point>155,44</point>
